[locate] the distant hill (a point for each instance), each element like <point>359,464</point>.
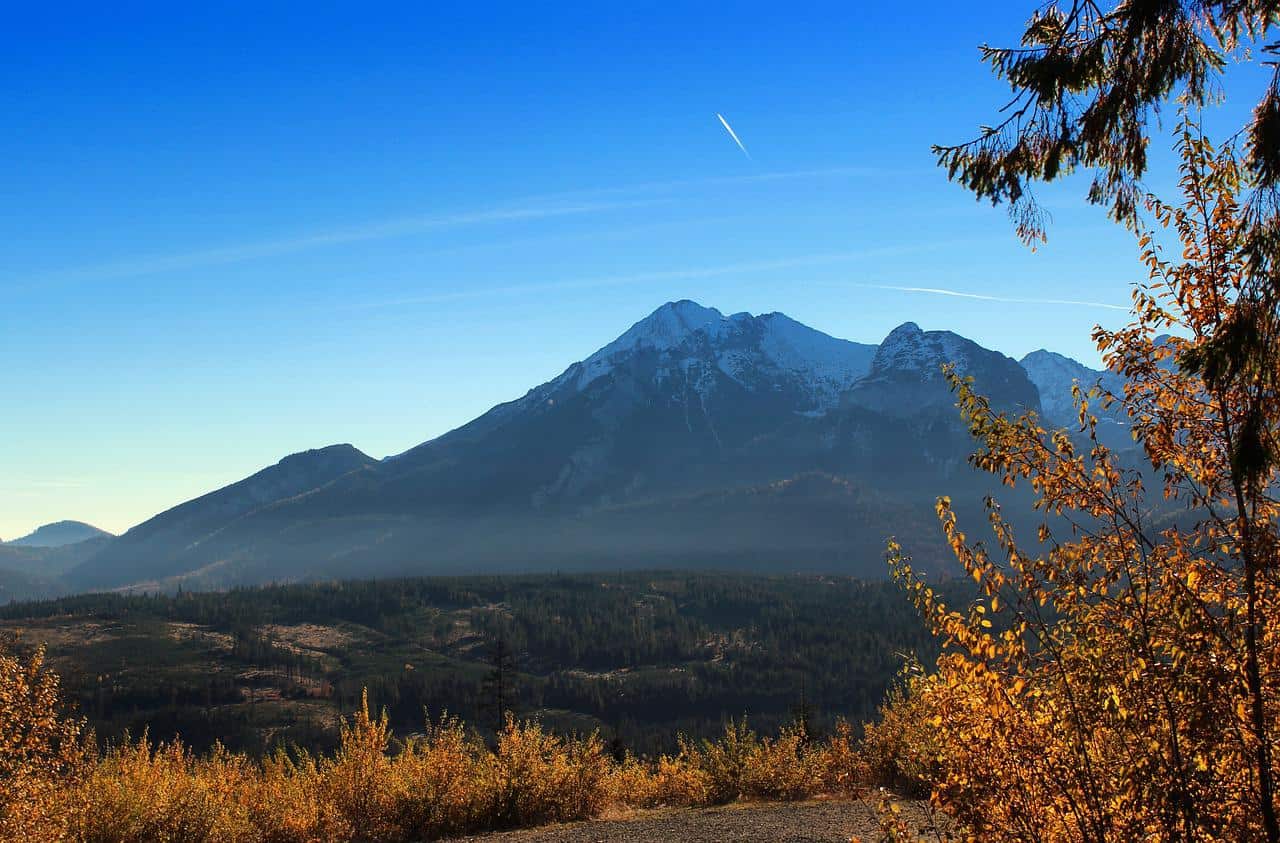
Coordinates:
<point>60,533</point>
<point>694,439</point>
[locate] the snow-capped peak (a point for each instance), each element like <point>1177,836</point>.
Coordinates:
<point>743,347</point>
<point>1044,364</point>
<point>831,365</point>
<point>907,348</point>
<point>665,328</point>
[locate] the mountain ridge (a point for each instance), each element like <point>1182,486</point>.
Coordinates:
<point>664,441</point>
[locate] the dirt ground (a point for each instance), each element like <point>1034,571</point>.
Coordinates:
<point>828,821</point>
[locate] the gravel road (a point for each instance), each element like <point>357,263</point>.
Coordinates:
<point>783,822</point>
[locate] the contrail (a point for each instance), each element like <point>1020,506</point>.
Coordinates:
<point>733,135</point>
<point>938,291</point>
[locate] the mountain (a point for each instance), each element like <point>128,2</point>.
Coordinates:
<point>58,534</point>
<point>1054,375</point>
<point>694,439</point>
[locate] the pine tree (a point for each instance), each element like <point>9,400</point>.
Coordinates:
<point>1086,82</point>
<point>498,689</point>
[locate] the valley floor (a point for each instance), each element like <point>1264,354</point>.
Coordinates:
<point>814,821</point>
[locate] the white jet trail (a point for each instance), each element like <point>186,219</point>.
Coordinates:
<point>938,291</point>
<point>733,135</point>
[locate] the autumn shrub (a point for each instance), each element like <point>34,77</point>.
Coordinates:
<point>437,790</point>
<point>359,780</point>
<point>845,771</point>
<point>787,767</point>
<point>42,750</point>
<point>634,783</point>
<point>536,777</point>
<point>725,760</point>
<point>143,791</point>
<point>682,779</point>
<point>898,748</point>
<point>287,804</point>
<point>742,765</point>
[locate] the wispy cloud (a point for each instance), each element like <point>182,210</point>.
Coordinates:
<point>40,488</point>
<point>331,237</point>
<point>58,484</point>
<point>960,294</point>
<point>462,293</point>
<point>577,202</point>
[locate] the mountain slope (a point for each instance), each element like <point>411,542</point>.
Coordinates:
<point>144,551</point>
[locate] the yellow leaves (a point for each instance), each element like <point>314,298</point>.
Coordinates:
<point>1117,699</point>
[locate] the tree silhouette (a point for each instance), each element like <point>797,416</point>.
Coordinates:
<point>498,687</point>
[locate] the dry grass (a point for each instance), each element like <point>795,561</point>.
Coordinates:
<point>445,782</point>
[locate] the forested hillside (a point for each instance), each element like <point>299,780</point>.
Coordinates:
<point>641,656</point>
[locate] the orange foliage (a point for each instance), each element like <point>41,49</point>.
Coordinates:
<point>1120,679</point>
<point>898,749</point>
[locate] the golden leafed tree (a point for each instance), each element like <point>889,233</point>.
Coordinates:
<point>41,749</point>
<point>1118,677</point>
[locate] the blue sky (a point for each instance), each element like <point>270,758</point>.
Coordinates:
<point>233,233</point>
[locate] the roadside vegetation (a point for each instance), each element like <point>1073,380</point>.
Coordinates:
<point>56,785</point>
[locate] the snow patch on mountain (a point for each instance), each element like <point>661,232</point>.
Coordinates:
<point>662,330</point>
<point>696,341</point>
<point>1053,374</point>
<point>909,349</point>
<point>829,365</point>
